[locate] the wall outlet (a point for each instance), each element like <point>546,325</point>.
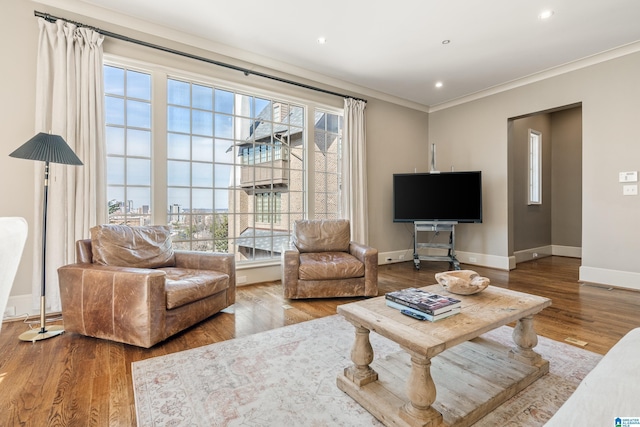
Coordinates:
<point>401,256</point>
<point>473,259</point>
<point>10,311</point>
<point>241,279</point>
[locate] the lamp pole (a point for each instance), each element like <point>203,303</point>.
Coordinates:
<point>47,148</point>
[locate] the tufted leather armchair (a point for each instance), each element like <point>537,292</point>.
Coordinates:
<point>322,262</point>
<point>128,285</point>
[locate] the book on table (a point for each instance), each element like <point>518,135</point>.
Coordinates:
<point>426,302</point>
<point>426,316</point>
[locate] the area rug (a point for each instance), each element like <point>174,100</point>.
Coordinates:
<point>287,377</point>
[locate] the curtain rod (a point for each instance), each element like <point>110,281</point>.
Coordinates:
<point>246,71</point>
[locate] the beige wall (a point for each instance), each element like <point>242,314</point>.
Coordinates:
<point>396,143</point>
<point>18,44</point>
<point>609,93</point>
<point>470,136</point>
<point>397,135</point>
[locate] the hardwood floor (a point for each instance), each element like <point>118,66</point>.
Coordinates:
<point>73,380</point>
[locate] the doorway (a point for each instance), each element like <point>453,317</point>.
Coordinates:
<point>552,225</point>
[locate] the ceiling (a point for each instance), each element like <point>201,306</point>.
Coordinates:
<point>398,47</point>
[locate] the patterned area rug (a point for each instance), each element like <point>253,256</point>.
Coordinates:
<point>287,376</point>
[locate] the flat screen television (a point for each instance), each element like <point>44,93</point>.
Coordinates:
<point>444,196</point>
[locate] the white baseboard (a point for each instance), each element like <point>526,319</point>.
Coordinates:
<point>395,256</point>
<point>568,251</point>
<point>544,251</point>
<point>258,274</point>
<point>616,278</point>
<point>23,307</point>
<point>533,253</point>
<point>484,260</point>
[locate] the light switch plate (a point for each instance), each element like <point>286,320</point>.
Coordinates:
<point>628,176</point>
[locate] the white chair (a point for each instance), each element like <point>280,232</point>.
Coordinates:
<point>13,234</point>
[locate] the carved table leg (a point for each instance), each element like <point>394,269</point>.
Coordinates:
<point>361,355</point>
<point>421,391</point>
<point>525,338</point>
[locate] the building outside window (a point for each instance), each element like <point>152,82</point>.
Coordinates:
<point>328,143</point>
<point>128,145</point>
<point>239,167</point>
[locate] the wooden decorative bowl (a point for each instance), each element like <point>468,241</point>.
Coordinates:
<point>462,282</point>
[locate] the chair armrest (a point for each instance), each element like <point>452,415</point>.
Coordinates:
<point>214,261</point>
<point>118,303</point>
<point>363,252</point>
<point>224,263</point>
<point>290,270</point>
<point>368,256</point>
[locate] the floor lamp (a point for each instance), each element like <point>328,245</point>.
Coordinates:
<point>46,148</point>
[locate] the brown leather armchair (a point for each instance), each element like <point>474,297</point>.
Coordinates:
<point>321,262</point>
<point>130,286</point>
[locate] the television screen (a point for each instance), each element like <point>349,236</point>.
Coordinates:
<point>445,196</point>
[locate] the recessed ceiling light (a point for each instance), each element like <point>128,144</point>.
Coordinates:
<point>545,14</point>
<point>322,40</point>
<point>438,84</point>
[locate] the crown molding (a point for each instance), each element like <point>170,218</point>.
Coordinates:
<point>608,55</point>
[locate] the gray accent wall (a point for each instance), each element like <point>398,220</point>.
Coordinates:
<point>531,223</point>
<point>566,164</point>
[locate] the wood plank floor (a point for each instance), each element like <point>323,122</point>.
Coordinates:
<point>73,380</point>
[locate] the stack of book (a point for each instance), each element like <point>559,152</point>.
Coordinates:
<point>423,305</point>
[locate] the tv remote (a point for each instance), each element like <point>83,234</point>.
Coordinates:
<point>412,314</point>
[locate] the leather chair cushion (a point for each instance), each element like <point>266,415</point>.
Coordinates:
<point>322,235</point>
<point>124,246</point>
<point>329,266</point>
<point>184,285</point>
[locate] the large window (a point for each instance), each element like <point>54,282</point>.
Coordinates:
<point>128,145</point>
<point>240,167</point>
<point>328,146</point>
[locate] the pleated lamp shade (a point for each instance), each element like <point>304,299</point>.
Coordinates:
<point>47,147</point>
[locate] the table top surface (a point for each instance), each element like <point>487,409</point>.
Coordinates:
<point>480,313</point>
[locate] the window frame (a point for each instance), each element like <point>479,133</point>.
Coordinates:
<point>160,74</point>
<point>534,175</point>
<point>125,156</point>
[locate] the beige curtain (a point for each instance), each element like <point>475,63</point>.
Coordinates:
<point>354,177</point>
<point>69,103</point>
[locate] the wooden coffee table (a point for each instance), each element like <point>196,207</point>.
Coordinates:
<point>447,374</point>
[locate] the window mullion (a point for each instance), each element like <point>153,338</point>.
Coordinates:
<point>309,165</point>
<point>159,148</point>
